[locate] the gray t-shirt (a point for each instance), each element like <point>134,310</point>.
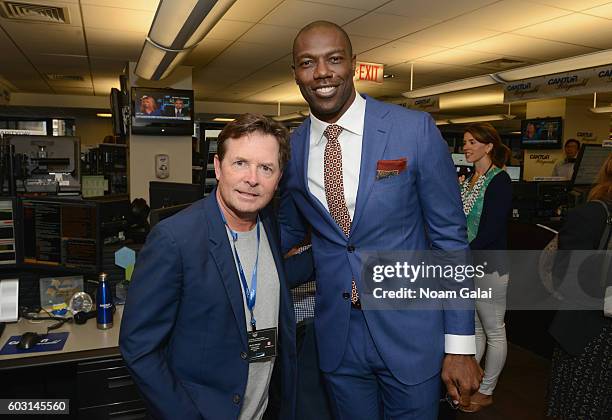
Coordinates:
<point>266,314</point>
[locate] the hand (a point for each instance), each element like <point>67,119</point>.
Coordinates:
<point>462,376</point>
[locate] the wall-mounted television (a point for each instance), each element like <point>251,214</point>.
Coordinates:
<point>542,133</point>
<point>162,111</point>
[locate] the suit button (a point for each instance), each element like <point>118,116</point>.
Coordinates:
<point>350,248</point>
<point>346,295</point>
<point>243,355</point>
<point>236,399</point>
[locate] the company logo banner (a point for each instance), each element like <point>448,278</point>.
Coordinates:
<point>578,82</point>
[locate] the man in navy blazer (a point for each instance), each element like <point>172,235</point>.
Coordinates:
<point>208,285</point>
<point>399,193</point>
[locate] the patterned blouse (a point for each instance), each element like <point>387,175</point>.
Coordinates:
<point>473,200</point>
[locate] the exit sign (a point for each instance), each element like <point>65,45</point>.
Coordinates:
<point>369,72</point>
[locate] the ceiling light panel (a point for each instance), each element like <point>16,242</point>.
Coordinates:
<point>509,15</point>
<point>449,35</point>
<point>443,10</point>
<point>149,5</point>
<point>115,19</point>
<point>574,5</point>
<point>577,28</point>
<point>386,26</point>
<point>251,11</point>
<point>537,50</point>
<point>604,11</point>
<point>457,100</point>
<point>297,14</point>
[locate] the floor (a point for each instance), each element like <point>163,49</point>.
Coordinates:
<point>521,390</point>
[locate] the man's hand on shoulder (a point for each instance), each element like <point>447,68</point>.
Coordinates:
<point>462,376</point>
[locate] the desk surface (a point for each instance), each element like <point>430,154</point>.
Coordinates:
<point>84,342</point>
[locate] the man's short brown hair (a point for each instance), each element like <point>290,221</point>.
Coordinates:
<point>251,123</point>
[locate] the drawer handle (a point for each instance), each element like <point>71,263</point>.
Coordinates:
<point>137,413</point>
<point>120,381</point>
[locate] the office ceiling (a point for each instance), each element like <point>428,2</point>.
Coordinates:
<point>247,56</point>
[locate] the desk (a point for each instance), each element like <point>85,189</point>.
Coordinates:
<point>89,371</point>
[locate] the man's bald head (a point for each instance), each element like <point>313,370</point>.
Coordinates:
<point>323,24</point>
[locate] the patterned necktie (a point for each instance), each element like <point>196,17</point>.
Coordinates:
<point>334,189</point>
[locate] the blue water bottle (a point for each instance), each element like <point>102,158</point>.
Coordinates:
<point>104,302</point>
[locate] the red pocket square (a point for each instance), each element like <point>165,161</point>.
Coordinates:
<point>398,165</point>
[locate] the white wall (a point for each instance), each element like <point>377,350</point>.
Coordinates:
<point>142,149</point>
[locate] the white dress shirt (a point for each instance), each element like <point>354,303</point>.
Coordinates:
<point>351,140</point>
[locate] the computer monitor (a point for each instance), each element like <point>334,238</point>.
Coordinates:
<point>158,215</point>
<point>8,242</point>
<point>167,194</point>
<point>514,172</point>
<point>61,233</point>
<point>590,160</point>
<point>463,167</point>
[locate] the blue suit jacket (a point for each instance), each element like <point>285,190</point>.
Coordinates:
<point>183,329</point>
<point>418,209</point>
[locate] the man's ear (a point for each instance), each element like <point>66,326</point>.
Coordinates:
<point>354,62</point>
<point>293,73</point>
<point>217,163</point>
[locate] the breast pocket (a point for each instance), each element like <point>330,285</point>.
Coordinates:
<point>391,182</point>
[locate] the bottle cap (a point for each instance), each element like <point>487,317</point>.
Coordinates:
<point>103,276</point>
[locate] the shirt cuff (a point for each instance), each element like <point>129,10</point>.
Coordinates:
<point>459,344</point>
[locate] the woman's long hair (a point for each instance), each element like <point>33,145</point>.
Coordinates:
<point>485,133</point>
<point>603,187</point>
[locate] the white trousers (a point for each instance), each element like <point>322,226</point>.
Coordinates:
<point>491,329</point>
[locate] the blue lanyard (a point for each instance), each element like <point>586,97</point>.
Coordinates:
<point>250,294</point>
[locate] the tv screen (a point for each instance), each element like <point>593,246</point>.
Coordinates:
<point>162,111</point>
<point>542,133</point>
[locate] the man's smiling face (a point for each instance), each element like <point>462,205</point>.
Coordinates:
<point>324,69</point>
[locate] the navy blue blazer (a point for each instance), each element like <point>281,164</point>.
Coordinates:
<point>416,210</point>
<point>183,334</point>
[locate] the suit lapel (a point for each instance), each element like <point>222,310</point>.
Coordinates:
<point>302,172</point>
<point>374,143</point>
<point>221,252</point>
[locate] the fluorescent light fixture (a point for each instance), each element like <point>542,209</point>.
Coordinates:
<point>442,122</point>
<point>470,83</point>
<point>221,119</point>
<point>458,100</point>
<point>584,61</point>
<point>104,115</point>
<point>601,109</point>
<point>481,118</point>
<point>178,26</point>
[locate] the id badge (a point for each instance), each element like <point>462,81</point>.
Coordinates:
<point>262,344</point>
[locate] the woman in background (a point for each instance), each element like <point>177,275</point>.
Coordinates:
<point>580,384</point>
<point>148,106</point>
<point>487,203</point>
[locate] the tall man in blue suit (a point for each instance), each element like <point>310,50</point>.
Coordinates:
<point>208,315</point>
<point>372,176</point>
